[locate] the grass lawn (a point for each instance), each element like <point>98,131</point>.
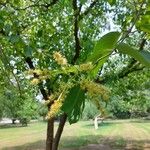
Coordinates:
<point>118,135</point>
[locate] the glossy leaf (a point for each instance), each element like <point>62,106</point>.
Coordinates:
<point>102,49</point>
<point>142,56</point>
<point>111,2</point>
<point>28,51</point>
<point>145,28</point>
<point>104,46</point>
<point>74,104</point>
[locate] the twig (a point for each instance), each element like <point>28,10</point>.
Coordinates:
<point>88,10</point>
<point>131,67</point>
<point>134,20</point>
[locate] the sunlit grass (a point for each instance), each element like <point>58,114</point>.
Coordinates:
<point>114,133</point>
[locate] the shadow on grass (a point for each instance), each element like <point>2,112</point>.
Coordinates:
<point>9,125</point>
<point>76,142</point>
<point>18,125</point>
<point>106,122</point>
<point>140,121</point>
<point>100,124</point>
<point>114,143</point>
<point>38,145</point>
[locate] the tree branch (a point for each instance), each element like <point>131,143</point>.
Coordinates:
<point>88,10</point>
<point>59,131</point>
<point>63,117</point>
<point>50,125</point>
<point>76,32</point>
<point>134,20</point>
<point>31,66</point>
<point>131,67</point>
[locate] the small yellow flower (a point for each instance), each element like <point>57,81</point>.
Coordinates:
<point>51,98</point>
<point>62,61</point>
<point>95,89</point>
<point>86,67</point>
<point>43,77</point>
<point>59,58</point>
<point>57,55</point>
<point>54,109</point>
<point>38,71</point>
<point>35,81</point>
<point>30,72</point>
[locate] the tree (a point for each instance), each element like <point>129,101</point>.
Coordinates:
<point>42,110</point>
<point>57,41</point>
<point>130,96</point>
<point>14,105</point>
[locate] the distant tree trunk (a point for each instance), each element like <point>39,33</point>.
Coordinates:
<point>59,131</point>
<point>50,134</point>
<point>13,121</point>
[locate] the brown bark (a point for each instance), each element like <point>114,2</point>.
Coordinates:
<point>50,123</point>
<point>59,131</point>
<point>13,121</point>
<point>50,134</point>
<point>76,31</point>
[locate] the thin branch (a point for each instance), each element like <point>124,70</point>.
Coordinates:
<point>59,131</point>
<point>88,10</point>
<point>131,67</point>
<point>130,70</point>
<point>133,61</point>
<point>76,31</point>
<point>134,20</point>
<point>31,66</point>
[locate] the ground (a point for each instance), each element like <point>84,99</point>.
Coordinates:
<point>111,135</point>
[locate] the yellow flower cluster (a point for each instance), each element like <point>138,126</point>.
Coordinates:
<point>35,81</point>
<point>60,59</point>
<point>54,109</point>
<point>30,72</point>
<point>37,72</point>
<point>86,67</point>
<point>94,89</point>
<point>42,75</point>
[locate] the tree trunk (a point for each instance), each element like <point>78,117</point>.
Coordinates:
<point>13,121</point>
<point>59,131</point>
<point>50,134</point>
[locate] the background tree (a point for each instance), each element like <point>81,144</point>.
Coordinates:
<point>16,104</point>
<point>42,110</point>
<point>130,96</point>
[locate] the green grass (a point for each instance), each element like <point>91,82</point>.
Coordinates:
<point>117,134</point>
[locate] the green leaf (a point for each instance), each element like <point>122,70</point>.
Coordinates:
<point>102,49</point>
<point>74,104</point>
<point>104,46</point>
<point>97,67</point>
<point>142,56</point>
<point>40,33</point>
<point>111,2</point>
<point>1,23</point>
<point>28,51</point>
<point>7,28</point>
<point>15,39</point>
<point>145,28</point>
